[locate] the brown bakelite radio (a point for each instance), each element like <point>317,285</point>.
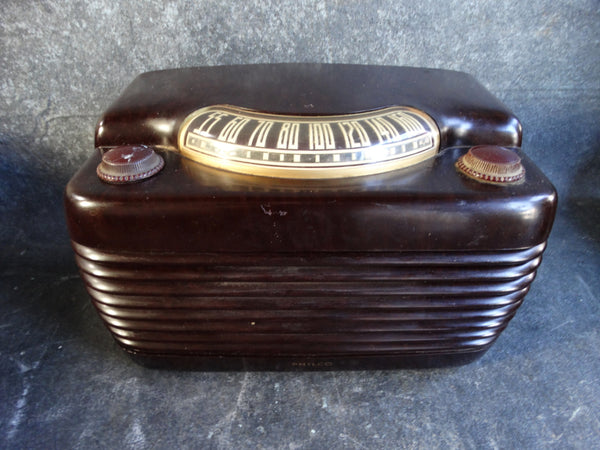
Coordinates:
<point>308,216</point>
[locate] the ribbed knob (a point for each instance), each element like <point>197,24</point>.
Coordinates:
<point>491,164</point>
<point>128,164</point>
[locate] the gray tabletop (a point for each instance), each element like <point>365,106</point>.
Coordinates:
<point>64,383</point>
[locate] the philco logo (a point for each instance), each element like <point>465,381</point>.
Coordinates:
<point>312,364</point>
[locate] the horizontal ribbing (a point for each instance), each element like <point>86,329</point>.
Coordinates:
<point>317,304</point>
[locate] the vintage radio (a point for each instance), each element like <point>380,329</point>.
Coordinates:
<point>308,216</point>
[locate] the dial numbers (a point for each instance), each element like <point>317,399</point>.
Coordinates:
<point>286,146</point>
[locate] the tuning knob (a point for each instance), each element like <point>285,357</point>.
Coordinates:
<point>492,164</point>
<point>128,164</point>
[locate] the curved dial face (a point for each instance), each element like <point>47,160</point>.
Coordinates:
<point>294,146</point>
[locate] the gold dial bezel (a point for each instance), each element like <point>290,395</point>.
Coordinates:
<point>416,139</point>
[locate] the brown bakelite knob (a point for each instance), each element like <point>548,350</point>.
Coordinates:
<point>492,164</point>
<point>128,164</point>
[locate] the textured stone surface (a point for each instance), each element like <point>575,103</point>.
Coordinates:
<point>64,382</point>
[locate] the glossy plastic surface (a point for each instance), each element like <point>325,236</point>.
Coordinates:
<point>151,110</point>
<point>202,268</point>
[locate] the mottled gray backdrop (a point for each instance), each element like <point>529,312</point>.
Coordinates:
<point>63,62</point>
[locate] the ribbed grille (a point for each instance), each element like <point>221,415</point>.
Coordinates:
<point>314,304</point>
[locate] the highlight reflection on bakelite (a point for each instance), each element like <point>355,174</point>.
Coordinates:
<point>287,146</point>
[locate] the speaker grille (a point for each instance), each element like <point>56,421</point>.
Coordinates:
<point>315,305</point>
